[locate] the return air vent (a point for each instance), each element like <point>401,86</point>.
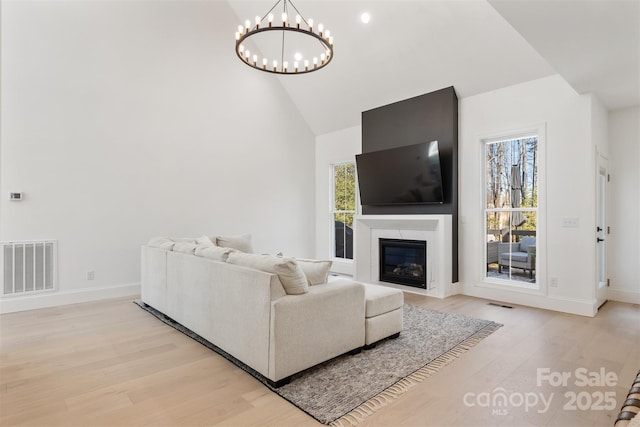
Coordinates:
<point>28,267</point>
<point>499,305</point>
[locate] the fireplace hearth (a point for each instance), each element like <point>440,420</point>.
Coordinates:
<point>403,262</point>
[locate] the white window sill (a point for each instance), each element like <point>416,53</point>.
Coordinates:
<point>511,285</point>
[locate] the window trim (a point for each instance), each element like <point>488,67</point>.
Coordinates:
<point>540,288</point>
<point>333,211</point>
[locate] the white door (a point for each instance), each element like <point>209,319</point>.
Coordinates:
<point>601,231</point>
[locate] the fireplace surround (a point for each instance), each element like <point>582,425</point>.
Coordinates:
<point>434,229</point>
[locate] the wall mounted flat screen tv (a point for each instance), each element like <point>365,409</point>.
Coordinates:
<point>404,175</point>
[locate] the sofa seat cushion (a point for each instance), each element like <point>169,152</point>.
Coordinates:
<point>515,256</point>
<point>289,272</point>
<point>381,299</point>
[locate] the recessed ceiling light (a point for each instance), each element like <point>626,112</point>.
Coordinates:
<point>365,18</point>
<point>298,56</point>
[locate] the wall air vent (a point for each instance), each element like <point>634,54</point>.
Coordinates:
<point>28,267</point>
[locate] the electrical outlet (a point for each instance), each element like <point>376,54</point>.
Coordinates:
<point>553,282</point>
<point>91,275</point>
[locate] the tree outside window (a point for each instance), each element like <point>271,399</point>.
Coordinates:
<point>344,208</point>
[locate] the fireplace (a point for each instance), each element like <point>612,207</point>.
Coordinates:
<point>403,262</point>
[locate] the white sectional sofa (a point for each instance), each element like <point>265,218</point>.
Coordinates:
<point>248,314</point>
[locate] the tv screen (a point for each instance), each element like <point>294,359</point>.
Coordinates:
<point>404,175</point>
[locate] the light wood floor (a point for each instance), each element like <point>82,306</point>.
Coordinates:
<point>112,364</point>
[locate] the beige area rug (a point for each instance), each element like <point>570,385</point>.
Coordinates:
<point>347,389</point>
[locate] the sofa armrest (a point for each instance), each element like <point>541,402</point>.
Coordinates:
<point>319,325</point>
<point>153,277</point>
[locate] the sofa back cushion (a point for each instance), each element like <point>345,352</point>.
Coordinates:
<point>289,272</point>
<point>316,271</point>
<point>206,241</point>
<point>185,247</point>
<point>215,253</point>
<point>241,243</point>
<point>165,243</point>
<point>527,242</point>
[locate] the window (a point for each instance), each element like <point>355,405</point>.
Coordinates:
<point>511,209</point>
<point>344,208</point>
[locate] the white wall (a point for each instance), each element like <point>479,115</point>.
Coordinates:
<point>624,241</point>
<point>332,148</point>
<point>568,253</point>
<point>126,120</point>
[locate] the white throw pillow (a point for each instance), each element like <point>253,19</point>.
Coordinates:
<point>215,253</point>
<point>288,271</point>
<point>165,243</point>
<point>316,271</point>
<point>185,247</point>
<point>241,243</point>
<point>205,241</point>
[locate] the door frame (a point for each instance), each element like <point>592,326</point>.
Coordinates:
<point>602,229</point>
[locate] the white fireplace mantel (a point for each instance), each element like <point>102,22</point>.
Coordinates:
<point>435,229</point>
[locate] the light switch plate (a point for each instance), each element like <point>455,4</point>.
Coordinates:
<point>570,221</point>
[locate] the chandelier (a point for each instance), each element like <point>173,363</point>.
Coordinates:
<point>294,46</point>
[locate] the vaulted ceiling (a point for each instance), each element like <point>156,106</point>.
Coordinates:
<point>414,47</point>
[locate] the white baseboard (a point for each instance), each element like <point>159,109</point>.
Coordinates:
<point>52,299</point>
<point>565,305</point>
<point>621,295</point>
<point>454,289</point>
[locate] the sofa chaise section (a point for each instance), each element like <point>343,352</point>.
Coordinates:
<point>314,327</point>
